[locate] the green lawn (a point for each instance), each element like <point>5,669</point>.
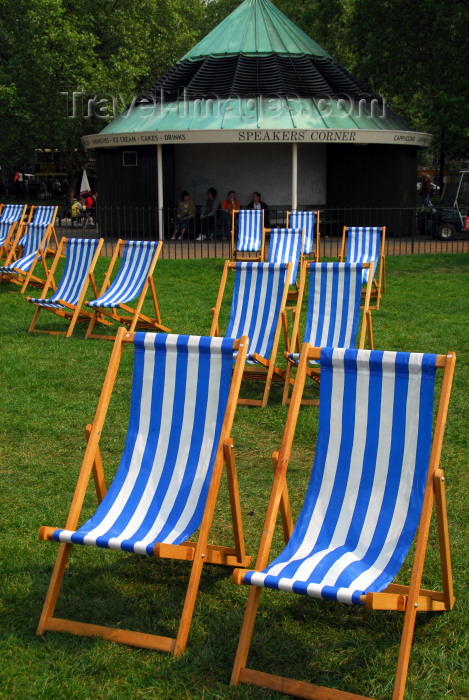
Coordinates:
<point>50,388</point>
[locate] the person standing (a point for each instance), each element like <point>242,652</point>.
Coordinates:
<point>424,199</point>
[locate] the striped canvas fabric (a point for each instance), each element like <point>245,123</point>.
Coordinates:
<point>10,214</point>
<point>32,241</point>
<point>363,246</point>
<point>255,309</point>
<point>306,220</point>
<point>333,310</point>
<point>179,396</point>
<point>365,495</point>
<point>80,252</point>
<point>43,217</point>
<point>250,231</point>
<point>285,246</point>
<point>132,275</point>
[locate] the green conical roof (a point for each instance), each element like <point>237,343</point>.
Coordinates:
<point>255,28</point>
<point>257,77</point>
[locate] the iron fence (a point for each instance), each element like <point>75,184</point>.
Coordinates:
<point>407,230</point>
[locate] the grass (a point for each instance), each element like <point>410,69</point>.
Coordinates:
<point>50,387</point>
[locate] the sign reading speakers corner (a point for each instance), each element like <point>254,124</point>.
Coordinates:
<point>350,136</point>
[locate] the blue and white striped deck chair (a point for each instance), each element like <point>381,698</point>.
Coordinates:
<point>20,271</point>
<point>259,298</point>
<point>11,216</point>
<point>251,234</point>
<point>309,221</point>
<point>286,245</point>
<point>366,244</point>
<point>332,314</point>
<point>182,407</point>
<point>374,479</point>
<point>67,300</point>
<point>43,216</point>
<point>131,282</point>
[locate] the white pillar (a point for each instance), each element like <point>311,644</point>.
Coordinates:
<point>294,176</point>
<point>159,160</point>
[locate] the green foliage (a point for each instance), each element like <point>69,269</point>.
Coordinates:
<point>104,48</point>
<point>415,55</point>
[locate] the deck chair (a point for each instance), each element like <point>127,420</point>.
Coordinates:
<point>259,298</point>
<point>42,216</point>
<point>309,221</point>
<point>366,244</point>
<point>251,235</point>
<point>67,300</point>
<point>182,407</point>
<point>286,245</point>
<point>20,270</point>
<point>132,281</point>
<point>373,483</point>
<point>11,216</point>
<point>332,315</point>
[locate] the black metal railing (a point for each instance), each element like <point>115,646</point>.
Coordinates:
<point>407,230</point>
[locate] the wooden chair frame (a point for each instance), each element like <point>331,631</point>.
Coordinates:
<point>75,314</point>
<point>409,599</point>
<point>379,287</point>
<point>315,372</point>
<point>19,223</point>
<point>132,318</point>
<point>198,553</point>
<point>50,252</point>
<point>17,276</point>
<point>315,253</point>
<point>268,371</point>
<point>234,253</point>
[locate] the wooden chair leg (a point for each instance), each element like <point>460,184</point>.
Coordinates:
<point>246,634</point>
<point>91,324</point>
<point>54,587</point>
<point>35,317</point>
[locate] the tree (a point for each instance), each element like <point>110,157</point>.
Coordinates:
<point>107,50</point>
<point>415,55</point>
